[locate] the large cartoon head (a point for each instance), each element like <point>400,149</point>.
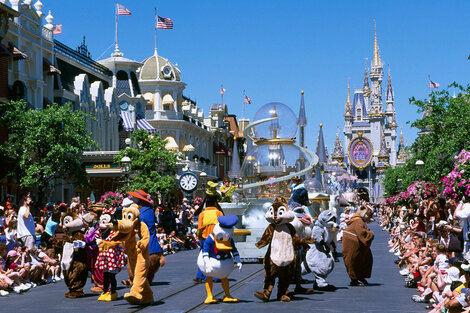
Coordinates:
<point>72,222</point>
<point>106,217</point>
<point>223,231</point>
<point>279,213</point>
<point>327,219</point>
<point>130,219</point>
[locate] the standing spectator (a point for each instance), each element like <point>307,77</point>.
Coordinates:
<point>8,202</point>
<point>26,227</point>
<point>462,212</point>
<point>167,220</point>
<point>10,234</point>
<point>186,216</point>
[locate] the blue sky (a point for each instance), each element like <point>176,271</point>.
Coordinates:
<point>275,49</point>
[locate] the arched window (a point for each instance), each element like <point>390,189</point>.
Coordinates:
<point>122,83</point>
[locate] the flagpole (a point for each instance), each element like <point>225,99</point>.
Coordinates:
<point>116,47</point>
<point>222,93</point>
<point>244,95</point>
<point>155,31</point>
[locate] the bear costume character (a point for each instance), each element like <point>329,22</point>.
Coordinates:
<point>217,256</point>
<point>357,239</point>
<point>74,261</point>
<point>279,261</point>
<point>319,259</point>
<point>137,253</point>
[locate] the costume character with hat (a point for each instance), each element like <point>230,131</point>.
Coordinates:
<point>128,228</point>
<point>207,219</point>
<point>111,260</point>
<point>147,216</point>
<point>357,239</point>
<point>74,262</point>
<point>279,261</point>
<point>217,256</point>
<point>91,236</point>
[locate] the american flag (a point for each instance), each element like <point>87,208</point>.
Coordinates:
<point>57,29</point>
<point>164,23</point>
<point>433,84</point>
<point>122,10</point>
<point>222,90</point>
<point>247,100</point>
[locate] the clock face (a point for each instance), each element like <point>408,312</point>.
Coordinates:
<point>188,182</point>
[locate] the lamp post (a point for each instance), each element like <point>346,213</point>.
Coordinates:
<point>420,167</point>
<point>126,162</point>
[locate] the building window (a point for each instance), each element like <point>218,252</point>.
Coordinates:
<point>166,107</point>
<point>122,83</point>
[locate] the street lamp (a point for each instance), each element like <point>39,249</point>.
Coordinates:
<point>420,165</point>
<point>126,161</point>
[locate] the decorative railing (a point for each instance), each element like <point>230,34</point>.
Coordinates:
<point>47,34</point>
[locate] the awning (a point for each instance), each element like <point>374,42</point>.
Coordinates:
<point>171,144</point>
<point>168,99</point>
<point>142,123</point>
<point>17,54</point>
<point>51,69</point>
<point>188,148</point>
<point>127,121</point>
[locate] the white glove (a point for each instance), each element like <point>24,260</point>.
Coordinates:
<point>238,262</point>
<point>207,265</point>
<point>77,244</point>
<point>98,241</point>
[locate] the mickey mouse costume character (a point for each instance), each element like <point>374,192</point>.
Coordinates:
<point>217,256</point>
<point>111,260</point>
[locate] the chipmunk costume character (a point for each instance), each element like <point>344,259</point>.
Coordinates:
<point>319,259</point>
<point>217,256</point>
<point>279,261</point>
<point>74,259</point>
<point>137,253</point>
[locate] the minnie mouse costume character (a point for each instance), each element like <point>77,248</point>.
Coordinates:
<point>109,261</point>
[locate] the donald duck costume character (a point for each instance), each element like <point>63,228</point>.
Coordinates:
<point>216,257</point>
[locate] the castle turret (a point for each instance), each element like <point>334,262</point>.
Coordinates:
<point>338,152</point>
<point>383,159</point>
<point>376,76</point>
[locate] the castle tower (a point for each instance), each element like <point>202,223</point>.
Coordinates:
<point>376,76</point>
<point>338,152</point>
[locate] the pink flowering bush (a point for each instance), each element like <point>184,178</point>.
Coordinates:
<point>196,201</point>
<point>422,190</point>
<point>456,184</point>
<point>112,198</point>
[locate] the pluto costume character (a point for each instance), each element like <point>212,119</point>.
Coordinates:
<point>319,259</point>
<point>279,261</point>
<point>217,256</point>
<point>137,253</point>
<point>74,259</point>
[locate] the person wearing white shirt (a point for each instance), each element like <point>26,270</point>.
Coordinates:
<point>462,212</point>
<point>26,228</point>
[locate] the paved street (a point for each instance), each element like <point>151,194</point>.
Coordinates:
<point>175,291</point>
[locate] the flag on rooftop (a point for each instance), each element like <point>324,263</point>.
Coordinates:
<point>122,10</point>
<point>247,100</point>
<point>222,90</point>
<point>57,29</point>
<point>433,84</point>
<point>164,23</point>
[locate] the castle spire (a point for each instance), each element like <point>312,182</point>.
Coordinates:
<point>338,152</point>
<point>376,61</point>
<point>365,86</point>
<point>321,148</point>
<point>402,155</point>
<point>390,95</point>
<point>384,156</point>
<point>348,106</point>
<point>302,121</point>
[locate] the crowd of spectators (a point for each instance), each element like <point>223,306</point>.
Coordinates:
<point>431,239</point>
<point>28,253</point>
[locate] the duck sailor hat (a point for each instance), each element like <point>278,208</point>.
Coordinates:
<point>227,221</point>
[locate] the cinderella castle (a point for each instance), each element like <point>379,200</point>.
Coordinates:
<point>370,132</point>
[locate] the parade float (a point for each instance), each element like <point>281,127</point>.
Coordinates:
<point>272,159</point>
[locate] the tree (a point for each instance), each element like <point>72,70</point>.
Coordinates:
<point>45,144</point>
<point>153,166</point>
<point>446,131</point>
